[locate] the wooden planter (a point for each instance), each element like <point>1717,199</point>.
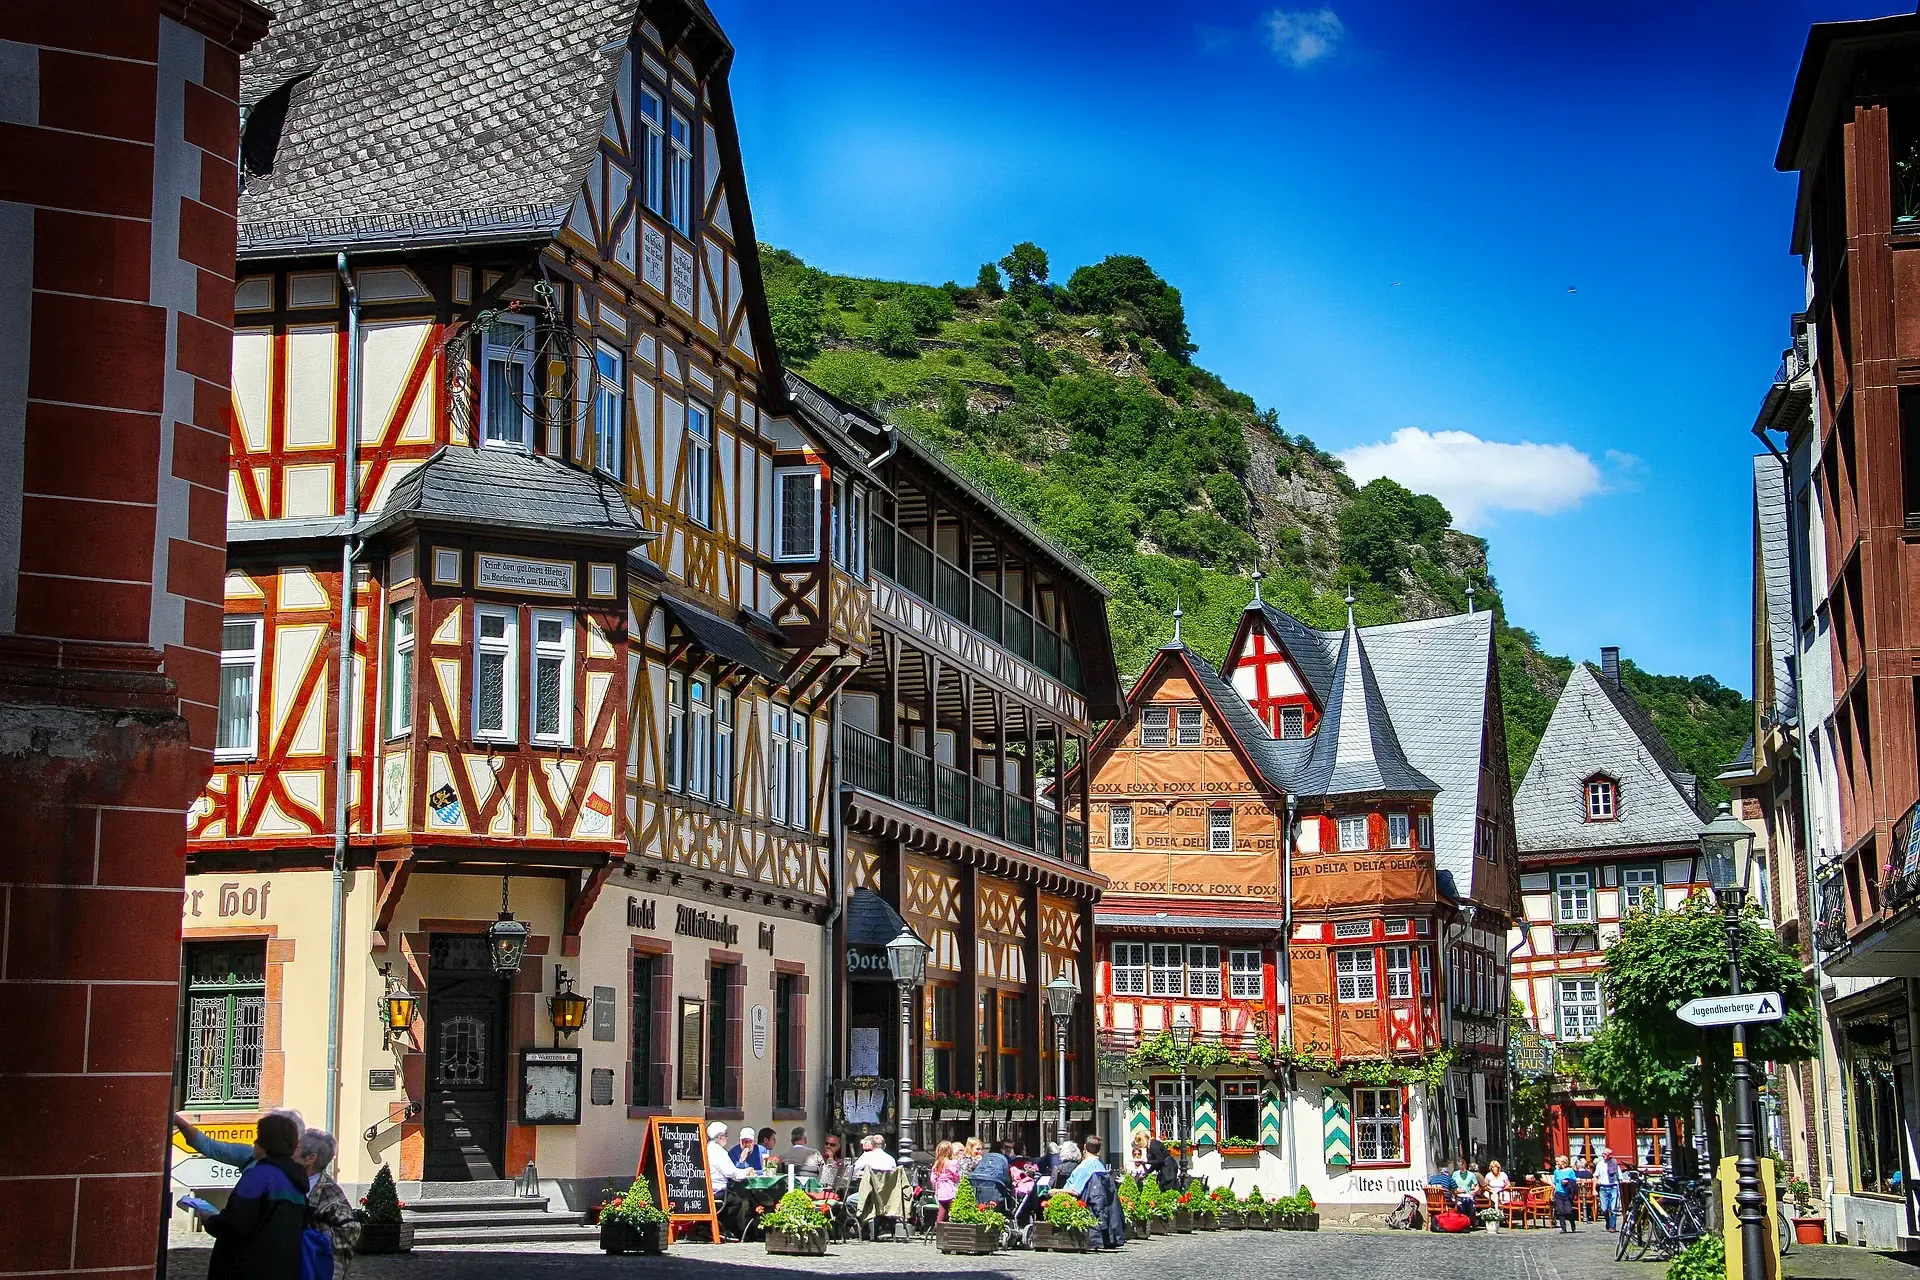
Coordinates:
<point>1229,1220</point>
<point>965,1237</point>
<point>1054,1239</point>
<point>385,1237</point>
<point>1182,1220</point>
<point>1205,1222</point>
<point>1809,1230</point>
<point>808,1244</point>
<point>624,1237</point>
<point>1256,1221</point>
<point>1308,1221</point>
<point>1138,1230</point>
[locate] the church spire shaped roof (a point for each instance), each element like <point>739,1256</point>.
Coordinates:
<point>1356,748</point>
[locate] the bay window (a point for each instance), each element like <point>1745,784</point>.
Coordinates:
<point>400,670</point>
<point>796,514</point>
<point>1399,973</point>
<point>1353,833</point>
<point>1399,833</point>
<point>552,678</point>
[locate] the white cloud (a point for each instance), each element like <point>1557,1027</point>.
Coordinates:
<point>1303,36</point>
<point>1476,478</point>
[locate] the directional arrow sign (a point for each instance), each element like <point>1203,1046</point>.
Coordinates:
<point>1723,1011</point>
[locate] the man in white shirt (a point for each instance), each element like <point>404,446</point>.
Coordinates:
<point>722,1174</point>
<point>874,1157</point>
<point>1606,1181</point>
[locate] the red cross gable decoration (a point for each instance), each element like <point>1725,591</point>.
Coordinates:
<point>1262,685</point>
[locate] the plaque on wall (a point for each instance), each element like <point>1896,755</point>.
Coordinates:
<point>381,1079</point>
<point>549,1086</point>
<point>603,1013</point>
<point>602,1087</point>
<point>524,575</point>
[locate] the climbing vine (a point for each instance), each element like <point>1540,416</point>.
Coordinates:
<point>1160,1053</point>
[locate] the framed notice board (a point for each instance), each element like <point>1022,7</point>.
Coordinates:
<point>549,1086</point>
<point>673,1156</point>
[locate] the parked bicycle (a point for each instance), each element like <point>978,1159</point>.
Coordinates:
<point>1661,1219</point>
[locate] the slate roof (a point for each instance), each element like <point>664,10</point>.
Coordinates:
<point>871,919</point>
<point>1312,656</point>
<point>1355,748</point>
<point>423,119</point>
<point>1775,586</point>
<point>724,639</point>
<point>1597,727</point>
<point>508,491</point>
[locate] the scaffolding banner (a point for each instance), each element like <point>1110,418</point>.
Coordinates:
<point>1236,877</point>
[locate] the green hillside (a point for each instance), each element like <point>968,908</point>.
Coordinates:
<point>1078,404</point>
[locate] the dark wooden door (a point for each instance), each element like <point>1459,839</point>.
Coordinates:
<point>466,1067</point>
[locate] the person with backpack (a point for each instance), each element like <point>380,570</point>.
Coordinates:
<point>333,1230</point>
<point>260,1235</point>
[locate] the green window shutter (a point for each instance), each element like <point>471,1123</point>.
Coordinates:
<point>1336,1110</point>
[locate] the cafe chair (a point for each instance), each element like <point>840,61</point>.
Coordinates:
<point>1437,1204</point>
<point>883,1199</point>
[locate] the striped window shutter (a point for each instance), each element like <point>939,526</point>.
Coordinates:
<point>1206,1111</point>
<point>1270,1115</point>
<point>1336,1109</point>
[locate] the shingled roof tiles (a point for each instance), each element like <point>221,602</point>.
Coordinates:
<point>418,116</point>
<point>511,491</point>
<point>1355,749</point>
<point>1598,728</point>
<point>1771,563</point>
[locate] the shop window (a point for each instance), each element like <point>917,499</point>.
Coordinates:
<point>1379,1127</point>
<point>225,1022</point>
<point>1874,1102</point>
<point>1240,1109</point>
<point>1586,1130</point>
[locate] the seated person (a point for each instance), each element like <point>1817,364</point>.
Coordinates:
<point>874,1157</point>
<point>801,1158</point>
<point>727,1180</point>
<point>748,1152</point>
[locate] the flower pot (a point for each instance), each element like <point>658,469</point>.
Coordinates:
<point>802,1244</point>
<point>1809,1230</point>
<point>385,1237</point>
<point>1182,1220</point>
<point>1309,1221</point>
<point>965,1237</point>
<point>1138,1230</point>
<point>1052,1239</point>
<point>625,1237</point>
<point>1229,1220</point>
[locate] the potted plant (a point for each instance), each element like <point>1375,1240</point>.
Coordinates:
<point>1309,1213</point>
<point>632,1223</point>
<point>1204,1208</point>
<point>1238,1147</point>
<point>382,1228</point>
<point>1226,1208</point>
<point>1490,1219</point>
<point>1808,1228</point>
<point>969,1228</point>
<point>1159,1205</point>
<point>1064,1224</point>
<point>1182,1210</point>
<point>1133,1208</point>
<point>797,1226</point>
<point>1255,1212</point>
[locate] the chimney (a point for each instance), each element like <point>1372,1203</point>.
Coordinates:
<point>1610,663</point>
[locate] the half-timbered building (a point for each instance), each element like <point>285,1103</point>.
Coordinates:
<point>1310,851</point>
<point>513,453</point>
<point>1609,823</point>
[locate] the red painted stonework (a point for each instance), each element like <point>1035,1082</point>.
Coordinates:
<point>105,689</point>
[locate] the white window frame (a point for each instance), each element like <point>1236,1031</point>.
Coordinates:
<point>1573,897</point>
<point>779,755</point>
<point>544,652</point>
<point>1426,830</point>
<point>1353,833</point>
<point>699,464</point>
<point>680,170</point>
<point>1399,973</point>
<point>513,357</point>
<point>609,412</point>
<point>1294,717</point>
<point>1379,1126</point>
<point>1578,1018</point>
<point>1399,831</point>
<point>699,734</point>
<point>800,802</point>
<point>653,149</point>
<point>676,751</point>
<point>1640,886</point>
<point>237,659</point>
<point>1188,724</point>
<point>1173,1096</point>
<point>1426,971</point>
<point>1127,965</point>
<point>783,548</point>
<point>507,647</point>
<point>838,508</point>
<point>723,748</point>
<point>1604,790</point>
<point>1166,969</point>
<point>400,637</point>
<point>1355,977</point>
<point>1120,826</point>
<point>1154,723</point>
<point>1220,829</point>
<point>856,562</point>
<point>1203,971</point>
<point>1246,975</point>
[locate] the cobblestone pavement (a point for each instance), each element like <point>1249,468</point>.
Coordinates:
<point>1324,1255</point>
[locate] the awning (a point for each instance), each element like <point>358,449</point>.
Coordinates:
<point>725,640</point>
<point>871,920</point>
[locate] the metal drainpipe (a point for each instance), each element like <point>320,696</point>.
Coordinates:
<point>836,854</point>
<point>1796,570</point>
<point>1286,982</point>
<point>343,716</point>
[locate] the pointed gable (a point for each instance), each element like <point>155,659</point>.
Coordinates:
<point>1357,748</point>
<point>1598,730</point>
<point>1277,662</point>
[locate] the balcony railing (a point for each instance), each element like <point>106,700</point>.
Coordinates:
<point>870,763</point>
<point>956,593</point>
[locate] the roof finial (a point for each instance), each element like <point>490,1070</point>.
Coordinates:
<point>1257,576</point>
<point>1178,613</point>
<point>1469,596</point>
<point>1349,606</point>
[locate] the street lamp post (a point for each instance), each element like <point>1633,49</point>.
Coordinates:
<point>1727,847</point>
<point>1061,996</point>
<point>907,960</point>
<point>1183,1041</point>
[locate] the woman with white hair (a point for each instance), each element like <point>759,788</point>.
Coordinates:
<point>722,1173</point>
<point>327,1206</point>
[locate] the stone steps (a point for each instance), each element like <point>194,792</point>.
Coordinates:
<point>489,1213</point>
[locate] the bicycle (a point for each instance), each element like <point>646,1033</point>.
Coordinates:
<point>1661,1220</point>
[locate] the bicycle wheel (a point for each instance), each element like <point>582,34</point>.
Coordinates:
<point>1783,1227</point>
<point>1636,1232</point>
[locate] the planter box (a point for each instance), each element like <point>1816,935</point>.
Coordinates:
<point>1182,1220</point>
<point>1204,1222</point>
<point>1052,1239</point>
<point>1809,1230</point>
<point>1138,1230</point>
<point>1256,1221</point>
<point>623,1237</point>
<point>385,1237</point>
<point>965,1237</point>
<point>812,1244</point>
<point>1229,1220</point>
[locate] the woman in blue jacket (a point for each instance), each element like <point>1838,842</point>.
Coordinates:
<point>258,1235</point>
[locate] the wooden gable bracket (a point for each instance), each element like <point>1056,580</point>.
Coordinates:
<point>391,875</point>
<point>581,895</point>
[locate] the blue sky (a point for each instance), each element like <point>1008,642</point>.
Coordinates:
<point>1417,231</point>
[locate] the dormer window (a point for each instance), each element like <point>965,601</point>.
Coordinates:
<point>1603,800</point>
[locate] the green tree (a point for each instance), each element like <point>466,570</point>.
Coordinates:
<point>987,283</point>
<point>1026,268</point>
<point>926,308</point>
<point>1124,284</point>
<point>953,406</point>
<point>892,330</point>
<point>797,319</point>
<point>1228,498</point>
<point>1644,1056</point>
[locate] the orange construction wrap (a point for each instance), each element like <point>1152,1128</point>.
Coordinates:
<point>1312,999</point>
<point>1233,877</point>
<point>1345,879</point>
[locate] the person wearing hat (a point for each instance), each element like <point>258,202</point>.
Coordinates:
<point>723,1173</point>
<point>748,1153</point>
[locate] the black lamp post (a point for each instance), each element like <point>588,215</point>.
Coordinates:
<point>1061,996</point>
<point>1727,848</point>
<point>506,937</point>
<point>1183,1041</point>
<point>907,960</point>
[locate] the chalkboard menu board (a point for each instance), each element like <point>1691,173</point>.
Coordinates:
<point>674,1158</point>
